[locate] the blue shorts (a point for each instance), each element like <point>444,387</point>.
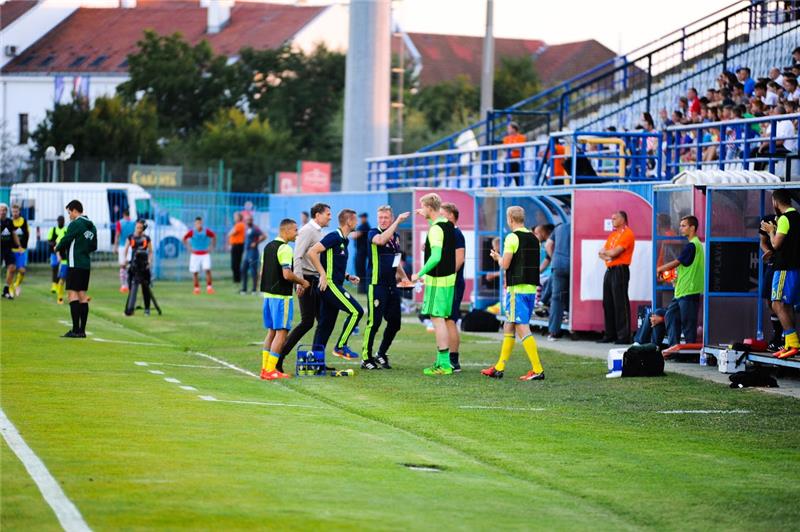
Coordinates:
<point>21,259</point>
<point>785,286</point>
<point>62,271</point>
<point>278,313</point>
<point>519,307</point>
<point>53,260</point>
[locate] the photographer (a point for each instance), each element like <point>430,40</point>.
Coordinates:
<point>141,258</point>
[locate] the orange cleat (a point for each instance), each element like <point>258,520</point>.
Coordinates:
<point>210,290</point>
<point>532,376</point>
<point>492,372</point>
<point>123,289</point>
<point>196,290</point>
<point>788,352</point>
<point>273,375</point>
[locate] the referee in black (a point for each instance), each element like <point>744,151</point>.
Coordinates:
<point>307,298</point>
<point>77,245</point>
<point>383,296</point>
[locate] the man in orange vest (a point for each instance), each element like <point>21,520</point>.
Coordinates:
<point>236,241</point>
<point>617,254</point>
<point>514,166</point>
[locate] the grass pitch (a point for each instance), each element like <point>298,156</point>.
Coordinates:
<point>576,451</point>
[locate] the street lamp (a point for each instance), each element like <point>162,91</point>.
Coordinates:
<point>51,155</point>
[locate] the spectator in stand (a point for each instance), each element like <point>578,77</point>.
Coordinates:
<point>664,119</point>
<point>748,83</point>
<point>775,75</point>
<point>763,95</point>
<point>792,92</point>
<point>236,241</point>
<point>677,117</point>
<point>683,106</point>
<point>738,94</point>
<point>757,107</point>
<point>785,141</point>
<point>775,88</point>
<point>796,55</point>
<point>514,155</point>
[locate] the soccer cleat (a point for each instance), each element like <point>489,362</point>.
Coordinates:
<point>436,370</point>
<point>273,375</point>
<point>532,376</point>
<point>370,363</point>
<point>345,352</point>
<point>73,334</point>
<point>383,360</point>
<point>123,289</point>
<point>8,295</point>
<point>788,352</point>
<point>210,290</point>
<point>491,372</point>
<point>147,312</point>
<point>196,290</point>
<point>455,364</point>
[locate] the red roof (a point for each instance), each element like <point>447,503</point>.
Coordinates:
<point>12,10</point>
<point>99,40</point>
<point>446,56</point>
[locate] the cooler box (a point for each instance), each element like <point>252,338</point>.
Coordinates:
<point>615,362</point>
<point>731,361</point>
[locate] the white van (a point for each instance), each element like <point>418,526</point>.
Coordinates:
<point>103,203</point>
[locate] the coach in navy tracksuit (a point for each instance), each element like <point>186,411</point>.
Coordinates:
<point>383,296</point>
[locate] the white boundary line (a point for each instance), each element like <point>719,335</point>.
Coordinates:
<point>213,399</point>
<point>178,365</point>
<point>67,513</point>
<point>704,412</point>
<point>478,407</point>
<point>227,364</point>
<point>129,342</point>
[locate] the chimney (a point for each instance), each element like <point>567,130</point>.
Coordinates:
<point>127,4</point>
<point>219,14</point>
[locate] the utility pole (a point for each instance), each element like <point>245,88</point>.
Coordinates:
<point>487,67</point>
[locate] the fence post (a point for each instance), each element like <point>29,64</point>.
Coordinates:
<point>41,170</point>
<point>221,175</point>
<point>103,171</point>
<point>230,179</point>
<point>76,172</point>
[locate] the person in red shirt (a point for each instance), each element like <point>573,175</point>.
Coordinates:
<point>694,102</point>
<point>617,254</point>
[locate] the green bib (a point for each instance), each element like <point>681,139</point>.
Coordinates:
<point>691,279</point>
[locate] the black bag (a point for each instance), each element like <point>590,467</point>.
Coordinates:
<point>480,321</point>
<point>756,378</point>
<point>643,361</point>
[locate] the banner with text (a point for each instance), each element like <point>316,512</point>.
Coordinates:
<point>315,176</point>
<point>155,175</point>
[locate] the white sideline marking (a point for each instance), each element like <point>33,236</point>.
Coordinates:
<point>214,399</point>
<point>67,513</point>
<point>704,411</point>
<point>189,388</point>
<point>227,364</point>
<point>69,324</point>
<point>478,407</point>
<point>177,365</point>
<point>156,372</point>
<point>173,381</point>
<point>104,340</point>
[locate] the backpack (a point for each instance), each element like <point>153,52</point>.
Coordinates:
<point>643,361</point>
<point>480,321</point>
<point>757,378</point>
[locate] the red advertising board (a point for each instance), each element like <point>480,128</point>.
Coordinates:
<point>287,182</point>
<point>315,177</point>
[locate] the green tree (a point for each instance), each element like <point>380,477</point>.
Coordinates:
<point>514,80</point>
<point>110,130</point>
<point>188,84</point>
<point>298,92</point>
<point>251,148</point>
<point>448,102</point>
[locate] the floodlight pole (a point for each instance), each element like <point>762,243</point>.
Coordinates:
<point>487,67</point>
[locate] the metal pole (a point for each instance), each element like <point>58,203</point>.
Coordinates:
<point>487,66</point>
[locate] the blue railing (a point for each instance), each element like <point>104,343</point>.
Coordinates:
<point>748,144</point>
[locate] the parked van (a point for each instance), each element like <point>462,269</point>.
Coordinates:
<point>103,203</point>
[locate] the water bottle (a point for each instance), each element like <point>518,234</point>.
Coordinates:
<point>703,358</point>
<point>418,288</point>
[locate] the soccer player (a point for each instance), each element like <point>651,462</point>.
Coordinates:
<point>77,244</point>
<point>785,239</point>
<point>450,211</point>
<point>53,235</point>
<point>439,274</point>
<point>200,241</point>
<point>332,266</point>
<point>277,280</point>
<point>383,296</point>
<point>520,260</point>
<point>20,252</point>
<point>123,230</point>
<point>8,241</point>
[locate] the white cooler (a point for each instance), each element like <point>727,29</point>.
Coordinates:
<point>615,362</point>
<point>726,361</point>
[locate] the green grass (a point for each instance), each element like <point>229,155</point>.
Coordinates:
<point>133,451</point>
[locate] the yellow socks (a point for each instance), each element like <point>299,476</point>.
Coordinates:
<point>529,344</point>
<point>792,339</point>
<point>269,360</point>
<point>505,352</point>
<point>18,279</point>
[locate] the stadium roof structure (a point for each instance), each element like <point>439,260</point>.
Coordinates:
<point>98,40</point>
<point>446,56</point>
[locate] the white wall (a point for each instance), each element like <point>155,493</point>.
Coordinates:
<point>329,27</point>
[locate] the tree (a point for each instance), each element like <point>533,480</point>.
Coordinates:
<point>448,102</point>
<point>298,93</point>
<point>514,80</point>
<point>188,84</point>
<point>251,148</point>
<point>110,130</point>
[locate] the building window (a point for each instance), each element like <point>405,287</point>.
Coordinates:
<point>23,128</point>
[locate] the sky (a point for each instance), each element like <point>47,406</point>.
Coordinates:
<point>629,23</point>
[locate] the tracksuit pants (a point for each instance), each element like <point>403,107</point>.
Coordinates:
<point>383,303</point>
<point>334,299</point>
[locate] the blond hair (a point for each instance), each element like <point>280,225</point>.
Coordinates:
<point>516,214</point>
<point>385,208</point>
<point>432,201</point>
